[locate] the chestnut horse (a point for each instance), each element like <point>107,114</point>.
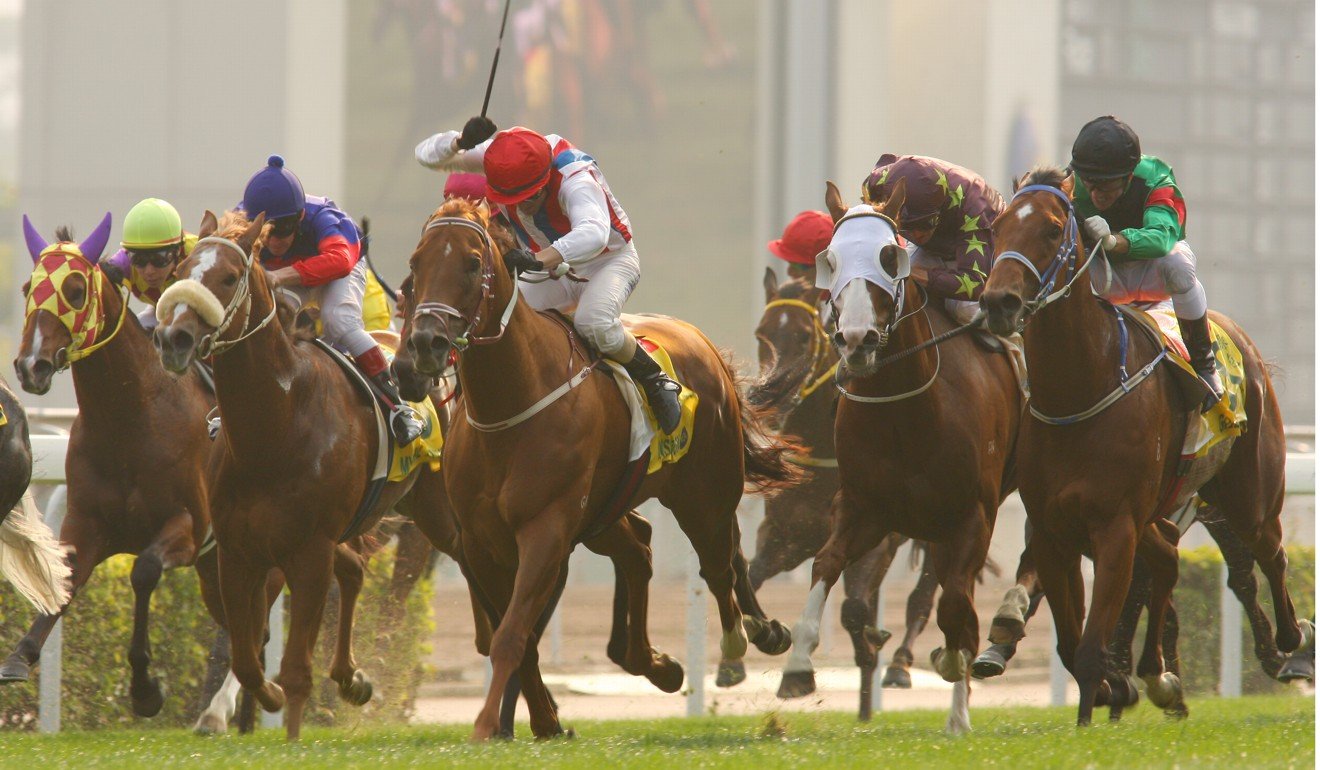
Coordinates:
<point>543,447</point>
<point>1093,478</point>
<point>31,559</point>
<point>925,443</point>
<point>797,374</point>
<point>137,449</point>
<point>294,457</point>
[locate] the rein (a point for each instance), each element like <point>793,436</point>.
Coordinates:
<point>841,377</point>
<point>211,344</point>
<point>1067,255</point>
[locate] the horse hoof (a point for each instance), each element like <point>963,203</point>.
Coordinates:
<point>14,670</point>
<point>952,666</point>
<point>1006,630</point>
<point>769,636</point>
<point>358,689</point>
<point>210,724</point>
<point>797,684</point>
<point>897,679</point>
<point>1164,690</point>
<point>990,663</point>
<point>730,673</point>
<point>1298,668</point>
<point>667,675</point>
<point>148,699</point>
<point>270,696</point>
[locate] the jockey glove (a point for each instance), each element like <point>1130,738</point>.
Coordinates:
<point>519,260</point>
<point>1098,229</point>
<point>476,131</point>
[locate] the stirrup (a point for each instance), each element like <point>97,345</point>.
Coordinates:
<point>662,393</point>
<point>406,425</point>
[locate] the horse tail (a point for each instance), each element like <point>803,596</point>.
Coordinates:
<point>33,559</point>
<point>766,467</point>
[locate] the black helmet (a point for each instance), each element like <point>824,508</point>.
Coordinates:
<point>1106,148</point>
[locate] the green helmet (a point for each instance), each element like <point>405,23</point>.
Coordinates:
<point>152,224</point>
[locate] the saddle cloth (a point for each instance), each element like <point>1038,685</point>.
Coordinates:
<point>645,432</point>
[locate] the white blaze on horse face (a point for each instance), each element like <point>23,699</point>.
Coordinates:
<point>806,633</point>
<point>205,261</point>
<point>1025,211</point>
<point>856,313</point>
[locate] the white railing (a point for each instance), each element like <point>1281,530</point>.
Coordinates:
<point>48,455</point>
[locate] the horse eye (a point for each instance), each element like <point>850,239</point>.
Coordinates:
<point>1054,232</point>
<point>231,280</point>
<point>473,264</point>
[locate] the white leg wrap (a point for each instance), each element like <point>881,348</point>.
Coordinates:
<point>960,716</point>
<point>806,632</point>
<point>1015,605</point>
<point>217,715</point>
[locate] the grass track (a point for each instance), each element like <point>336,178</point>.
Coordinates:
<point>1253,732</point>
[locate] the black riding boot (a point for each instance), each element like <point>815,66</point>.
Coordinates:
<point>406,425</point>
<point>1196,334</point>
<point>661,391</point>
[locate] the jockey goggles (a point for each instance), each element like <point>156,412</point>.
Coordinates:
<point>283,227</point>
<point>157,258</point>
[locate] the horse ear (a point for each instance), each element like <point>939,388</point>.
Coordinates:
<point>834,202</point>
<point>1067,184</point>
<point>771,285</point>
<point>253,230</point>
<point>894,203</point>
<point>483,208</point>
<point>94,245</point>
<point>209,225</point>
<point>35,243</point>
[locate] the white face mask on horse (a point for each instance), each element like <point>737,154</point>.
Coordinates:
<point>854,258</point>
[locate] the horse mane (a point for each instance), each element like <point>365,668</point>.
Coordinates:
<point>463,208</point>
<point>792,289</point>
<point>1050,176</point>
<point>234,223</point>
<point>64,234</point>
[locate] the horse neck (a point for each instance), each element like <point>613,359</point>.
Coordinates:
<point>1071,351</point>
<point>813,419</point>
<point>255,381</point>
<point>504,377</point>
<point>120,380</point>
<point>912,372</point>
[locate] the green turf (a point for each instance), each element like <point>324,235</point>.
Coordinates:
<point>1253,732</point>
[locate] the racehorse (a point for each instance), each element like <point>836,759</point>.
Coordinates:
<point>925,443</point>
<point>798,364</point>
<point>1094,478</point>
<point>137,449</point>
<point>294,457</point>
<point>31,559</point>
<point>529,482</point>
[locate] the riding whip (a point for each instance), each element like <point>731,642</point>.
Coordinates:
<point>490,82</point>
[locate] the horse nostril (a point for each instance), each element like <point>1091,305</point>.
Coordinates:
<point>839,340</point>
<point>181,339</point>
<point>872,339</point>
<point>1010,303</point>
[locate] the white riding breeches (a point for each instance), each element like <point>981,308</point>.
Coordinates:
<point>596,304</point>
<point>341,310</point>
<point>1172,276</point>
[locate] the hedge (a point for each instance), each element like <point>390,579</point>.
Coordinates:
<point>98,626</point>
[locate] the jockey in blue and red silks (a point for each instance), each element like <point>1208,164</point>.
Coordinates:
<point>313,251</point>
<point>560,207</point>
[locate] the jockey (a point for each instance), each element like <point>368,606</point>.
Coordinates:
<point>806,236</point>
<point>154,243</point>
<point>1131,203</point>
<point>561,208</point>
<point>946,218</point>
<point>312,250</point>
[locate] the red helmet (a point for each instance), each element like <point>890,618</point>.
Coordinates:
<point>517,165</point>
<point>806,236</point>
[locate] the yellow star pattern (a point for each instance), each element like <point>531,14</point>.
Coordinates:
<point>967,285</point>
<point>956,197</point>
<point>975,244</point>
<point>942,182</point>
<point>971,223</point>
<point>884,176</point>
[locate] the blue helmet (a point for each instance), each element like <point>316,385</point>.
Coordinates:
<point>274,190</point>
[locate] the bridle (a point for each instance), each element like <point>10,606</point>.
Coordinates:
<point>820,371</point>
<point>440,311</point>
<point>211,344</point>
<point>74,320</point>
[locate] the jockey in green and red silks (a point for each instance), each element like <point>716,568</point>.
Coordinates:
<point>1131,203</point>
<point>313,250</point>
<point>946,219</point>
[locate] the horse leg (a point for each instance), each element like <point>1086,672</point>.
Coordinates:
<point>1242,582</point>
<point>1060,575</point>
<point>412,557</point>
<point>308,571</point>
<point>957,564</point>
<point>243,587</point>
<point>543,546</point>
<point>1125,631</point>
<point>543,712</point>
<point>627,546</point>
<point>172,547</point>
<point>88,543</point>
<point>354,685</point>
<point>1115,543</point>
<point>779,548</point>
<point>1158,549</point>
<point>919,606</point>
<point>852,536</point>
<point>767,634</point>
<point>1009,625</point>
<point>861,583</point>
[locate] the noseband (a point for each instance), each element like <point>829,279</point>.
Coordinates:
<point>440,311</point>
<point>210,344</point>
<point>1064,261</point>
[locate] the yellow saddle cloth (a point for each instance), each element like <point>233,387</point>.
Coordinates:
<point>645,433</point>
<point>428,447</point>
<point>1228,418</point>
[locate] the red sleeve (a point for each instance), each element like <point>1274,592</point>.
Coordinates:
<point>337,259</point>
<point>1168,196</point>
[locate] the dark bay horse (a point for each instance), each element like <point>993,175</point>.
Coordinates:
<point>798,365</point>
<point>295,451</point>
<point>137,449</point>
<point>527,494</point>
<point>925,444</point>
<point>31,559</point>
<point>1093,478</point>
